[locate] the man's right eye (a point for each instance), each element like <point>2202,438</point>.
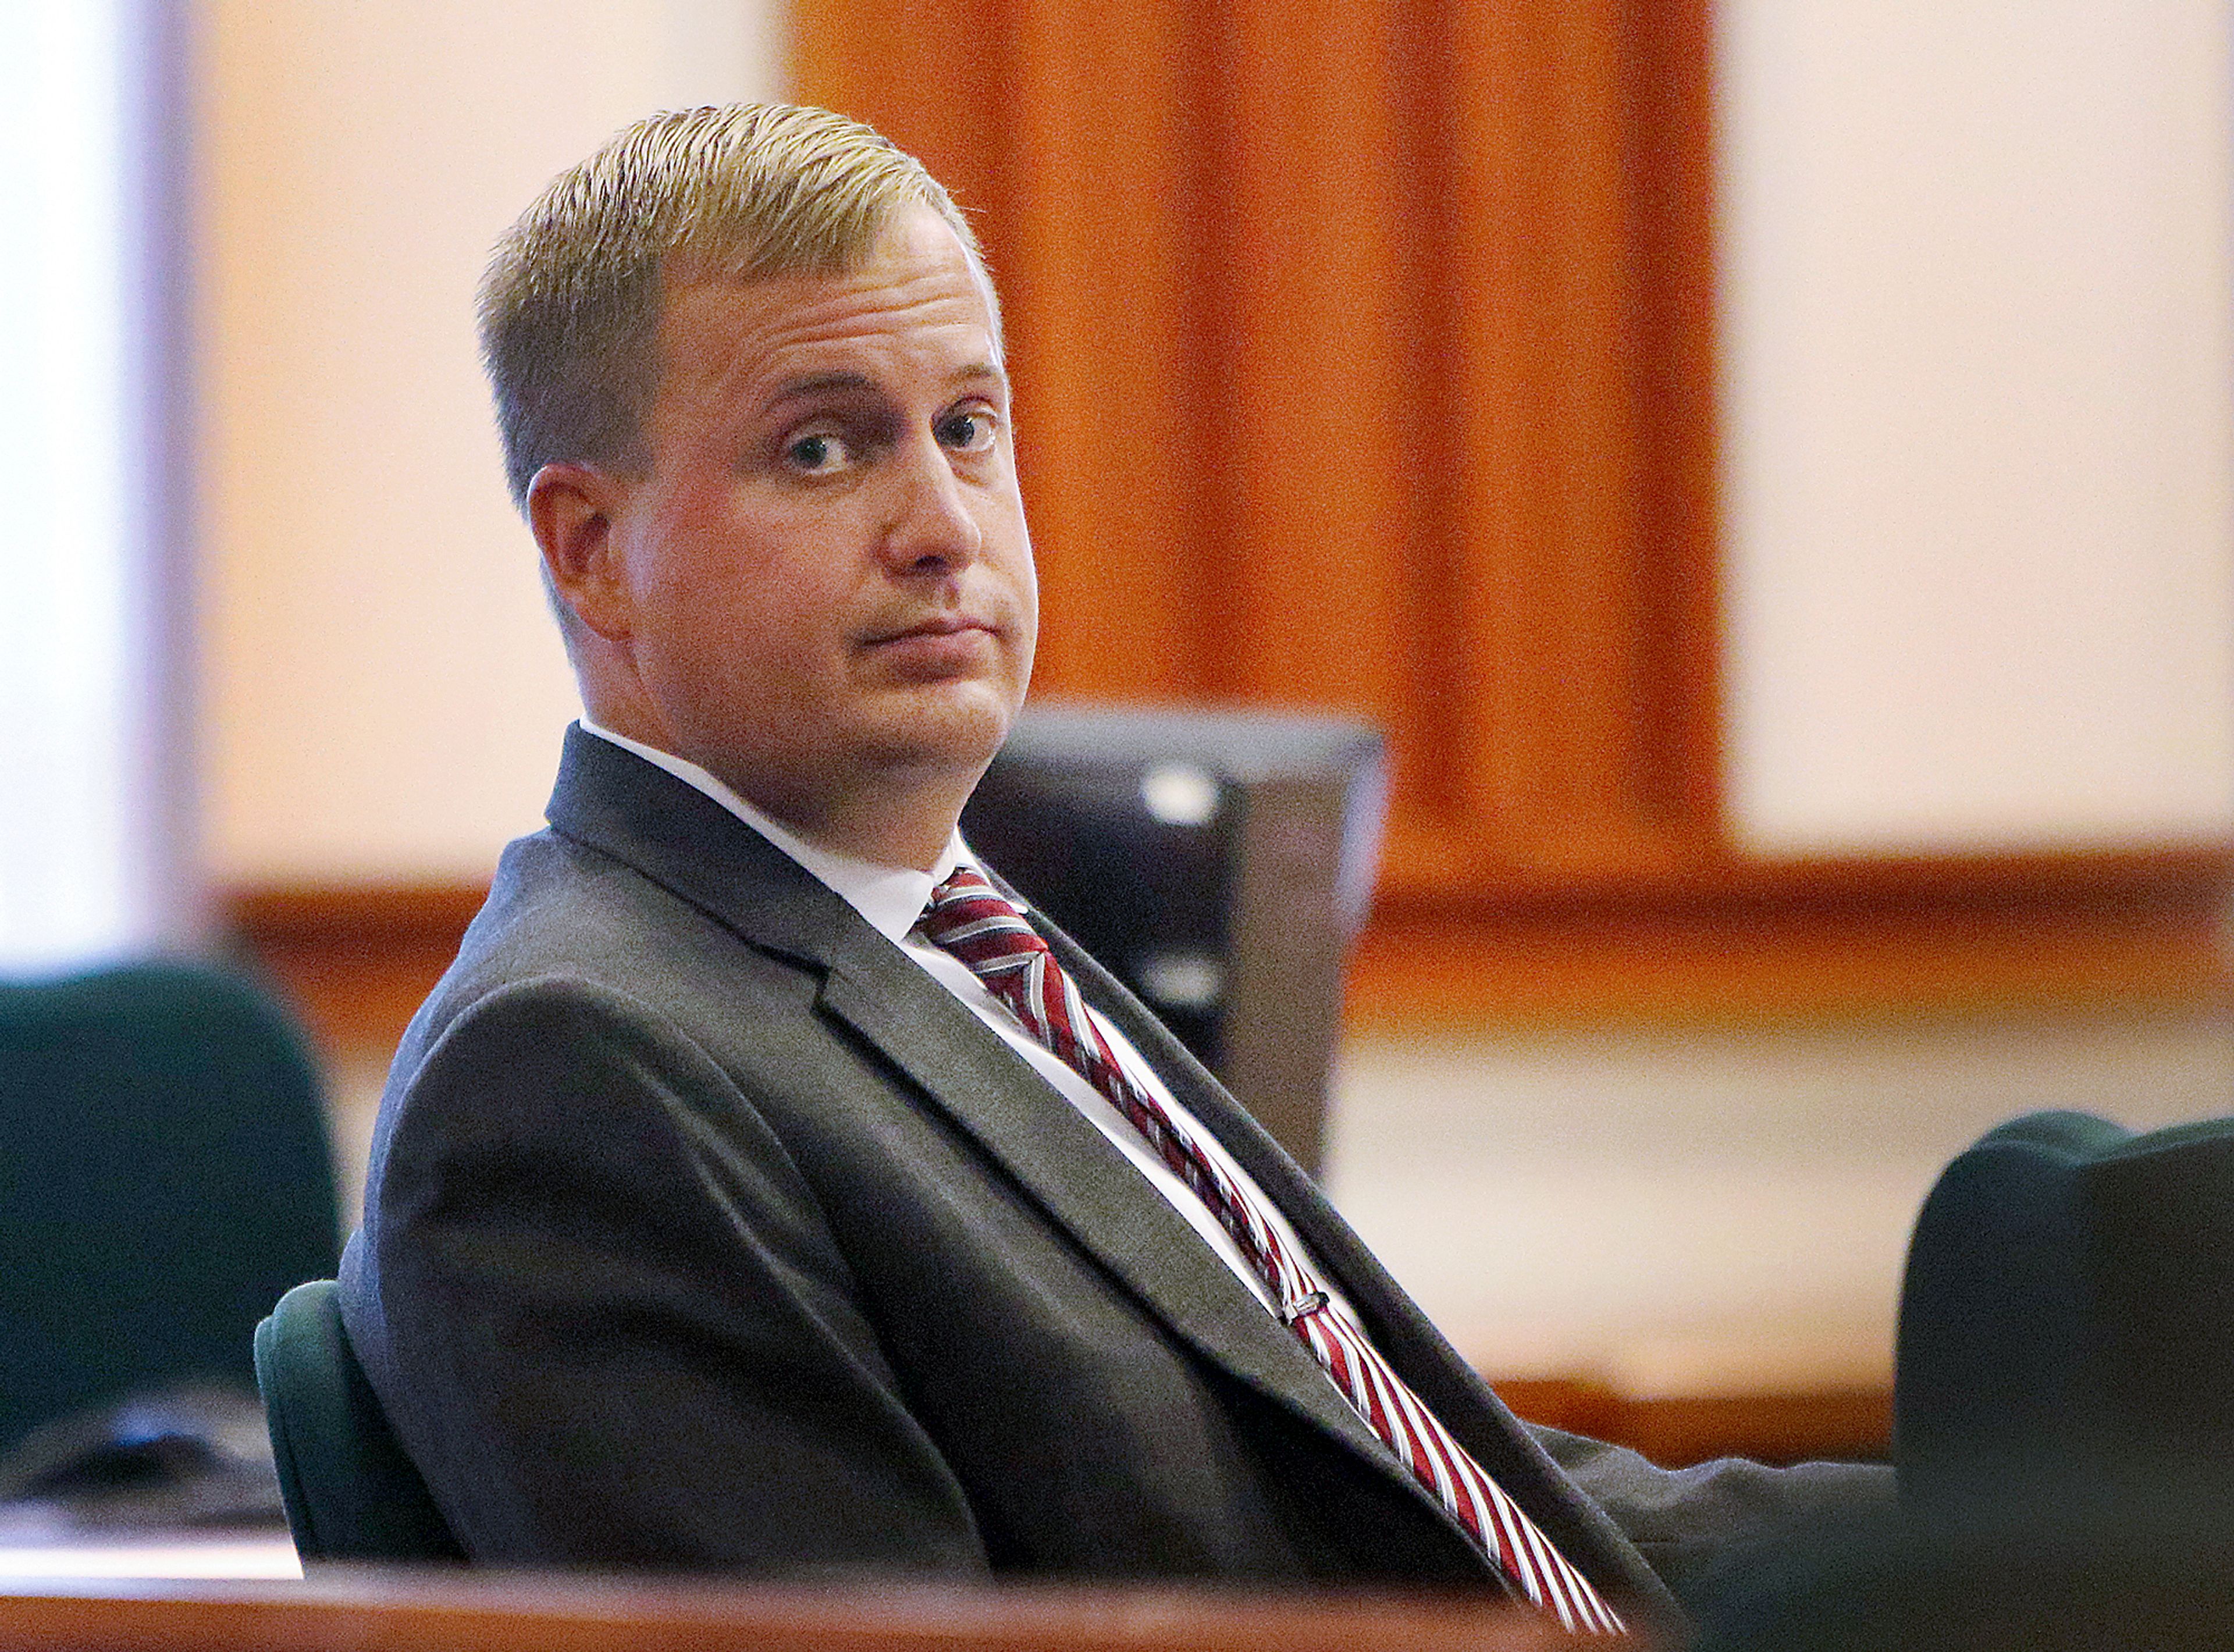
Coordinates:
<point>816,454</point>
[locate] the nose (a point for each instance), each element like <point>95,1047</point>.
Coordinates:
<point>930,528</point>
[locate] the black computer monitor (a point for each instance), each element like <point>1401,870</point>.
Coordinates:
<point>1218,862</point>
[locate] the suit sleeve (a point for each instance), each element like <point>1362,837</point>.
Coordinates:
<point>614,1329</point>
<point>1688,1521</point>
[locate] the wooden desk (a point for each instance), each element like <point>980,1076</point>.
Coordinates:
<point>350,1610</point>
<point>145,1557</point>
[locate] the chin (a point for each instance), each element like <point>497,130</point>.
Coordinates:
<point>949,731</point>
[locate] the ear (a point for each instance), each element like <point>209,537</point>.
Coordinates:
<point>571,507</point>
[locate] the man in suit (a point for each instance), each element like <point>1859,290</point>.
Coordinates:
<point>721,1216</point>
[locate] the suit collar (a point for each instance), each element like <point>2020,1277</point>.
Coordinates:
<point>890,897</point>
<point>682,839</point>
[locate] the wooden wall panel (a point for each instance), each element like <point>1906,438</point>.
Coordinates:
<point>1577,753</point>
<point>1668,104</point>
<point>1113,425</point>
<point>1333,326</point>
<point>1996,937</point>
<point>2038,934</point>
<point>1316,148</point>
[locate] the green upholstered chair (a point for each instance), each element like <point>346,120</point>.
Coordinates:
<point>352,1492</point>
<point>2063,1419</point>
<point>2068,1311</point>
<point>165,1175</point>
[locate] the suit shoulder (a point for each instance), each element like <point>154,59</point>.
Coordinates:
<point>560,912</point>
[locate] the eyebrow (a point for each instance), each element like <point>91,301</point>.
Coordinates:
<point>813,384</point>
<point>818,383</point>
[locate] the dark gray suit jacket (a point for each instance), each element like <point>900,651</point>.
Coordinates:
<point>705,1230</point>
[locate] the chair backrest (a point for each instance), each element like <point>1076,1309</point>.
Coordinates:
<point>2068,1309</point>
<point>164,1174</point>
<point>351,1491</point>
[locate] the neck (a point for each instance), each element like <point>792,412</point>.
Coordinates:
<point>898,817</point>
<point>888,829</point>
<point>907,828</point>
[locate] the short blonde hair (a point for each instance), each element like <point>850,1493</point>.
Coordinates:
<point>569,306</point>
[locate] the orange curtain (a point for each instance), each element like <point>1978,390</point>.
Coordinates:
<point>1363,362</point>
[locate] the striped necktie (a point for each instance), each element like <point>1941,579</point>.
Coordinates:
<point>970,919</point>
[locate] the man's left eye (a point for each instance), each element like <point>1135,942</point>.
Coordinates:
<point>970,431</point>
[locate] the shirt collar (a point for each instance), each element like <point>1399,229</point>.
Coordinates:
<point>891,898</point>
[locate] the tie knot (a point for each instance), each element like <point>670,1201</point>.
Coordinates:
<point>969,918</point>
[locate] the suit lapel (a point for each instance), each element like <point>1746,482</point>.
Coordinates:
<point>1456,1393</point>
<point>1092,1191</point>
<point>1082,1182</point>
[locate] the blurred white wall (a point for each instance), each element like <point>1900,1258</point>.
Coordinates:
<point>97,813</point>
<point>1684,1212</point>
<point>384,691</point>
<point>1979,340</point>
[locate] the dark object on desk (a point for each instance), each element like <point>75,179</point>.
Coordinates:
<point>190,1456</point>
<point>1219,863</point>
<point>164,1177</point>
<point>2085,1576</point>
<point>351,1492</point>
<point>2063,1414</point>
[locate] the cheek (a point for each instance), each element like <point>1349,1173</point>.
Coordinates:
<point>1008,543</point>
<point>1024,573</point>
<point>730,584</point>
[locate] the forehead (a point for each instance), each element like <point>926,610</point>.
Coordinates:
<point>916,299</point>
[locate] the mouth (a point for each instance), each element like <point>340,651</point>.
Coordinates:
<point>938,625</point>
<point>939,648</point>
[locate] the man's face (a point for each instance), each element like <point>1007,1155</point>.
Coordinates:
<point>828,585</point>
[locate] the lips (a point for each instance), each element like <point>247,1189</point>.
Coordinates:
<point>936,625</point>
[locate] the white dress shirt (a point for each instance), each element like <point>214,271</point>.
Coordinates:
<point>892,898</point>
